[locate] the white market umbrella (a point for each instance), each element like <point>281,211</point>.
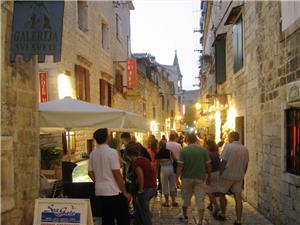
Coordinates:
<point>70,113</point>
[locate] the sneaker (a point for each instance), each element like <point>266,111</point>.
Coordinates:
<point>180,216</point>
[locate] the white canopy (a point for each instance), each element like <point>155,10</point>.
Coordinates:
<point>70,113</point>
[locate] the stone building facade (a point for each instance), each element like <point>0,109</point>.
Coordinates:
<point>93,67</point>
<point>249,78</point>
<point>20,154</point>
<point>156,94</point>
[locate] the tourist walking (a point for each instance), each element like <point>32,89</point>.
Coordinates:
<point>212,188</point>
<point>104,170</point>
<point>167,175</point>
<point>146,181</point>
<point>129,175</point>
<point>233,167</point>
<point>194,168</point>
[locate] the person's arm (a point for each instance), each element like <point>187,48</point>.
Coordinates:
<point>91,175</point>
<point>224,158</point>
<point>222,166</point>
<point>119,179</point>
<point>179,170</point>
<point>246,167</point>
<point>208,170</point>
<point>140,178</point>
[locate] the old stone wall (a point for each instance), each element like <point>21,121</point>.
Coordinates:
<point>258,92</point>
<point>20,157</point>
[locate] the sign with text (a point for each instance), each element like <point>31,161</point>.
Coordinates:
<point>293,92</point>
<point>43,86</point>
<point>132,73</point>
<point>37,29</point>
<point>62,211</point>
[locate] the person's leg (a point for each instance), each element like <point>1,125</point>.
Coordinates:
<point>138,211</point>
<point>122,210</point>
<point>238,206</point>
<point>143,203</point>
<point>223,203</point>
<point>213,202</point>
<point>237,190</point>
<point>107,210</point>
<point>199,191</point>
<point>187,192</point>
<point>172,185</point>
<point>165,186</point>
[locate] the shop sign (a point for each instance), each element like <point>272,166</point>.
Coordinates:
<point>43,87</point>
<point>60,211</point>
<point>132,73</point>
<point>37,29</point>
<point>293,92</point>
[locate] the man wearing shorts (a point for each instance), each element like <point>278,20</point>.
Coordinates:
<point>193,165</point>
<point>233,167</point>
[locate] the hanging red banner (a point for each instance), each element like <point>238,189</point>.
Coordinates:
<point>132,73</point>
<point>43,86</point>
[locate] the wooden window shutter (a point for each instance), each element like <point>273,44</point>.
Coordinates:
<point>235,48</point>
<point>220,57</point>
<point>102,92</point>
<point>87,86</point>
<point>64,143</point>
<point>78,82</point>
<point>240,41</point>
<point>109,94</point>
<point>238,44</point>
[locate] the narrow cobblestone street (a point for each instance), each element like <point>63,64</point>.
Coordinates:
<point>166,216</point>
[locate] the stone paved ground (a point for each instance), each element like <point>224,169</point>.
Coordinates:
<point>166,216</point>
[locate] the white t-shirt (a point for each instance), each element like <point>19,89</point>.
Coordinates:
<point>175,148</point>
<point>102,161</point>
<point>237,157</point>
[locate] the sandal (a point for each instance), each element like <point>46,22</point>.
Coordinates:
<point>165,204</point>
<point>219,217</point>
<point>174,204</point>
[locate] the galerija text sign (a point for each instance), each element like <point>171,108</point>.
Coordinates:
<point>37,29</point>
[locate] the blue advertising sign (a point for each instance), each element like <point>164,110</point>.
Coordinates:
<point>62,214</point>
<point>37,29</point>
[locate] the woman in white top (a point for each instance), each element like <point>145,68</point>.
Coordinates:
<point>168,177</point>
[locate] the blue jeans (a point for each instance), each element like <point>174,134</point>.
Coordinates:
<point>142,211</point>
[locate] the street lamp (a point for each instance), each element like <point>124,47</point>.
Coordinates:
<point>198,106</point>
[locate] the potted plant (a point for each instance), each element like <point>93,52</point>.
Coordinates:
<point>51,157</point>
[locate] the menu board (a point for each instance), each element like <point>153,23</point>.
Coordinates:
<point>62,211</point>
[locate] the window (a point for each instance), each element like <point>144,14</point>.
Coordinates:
<point>105,91</point>
<point>119,82</point>
<point>72,146</point>
<point>118,27</point>
<point>89,145</point>
<point>154,112</point>
<point>289,13</point>
<point>238,57</point>
<point>240,128</point>
<point>104,36</point>
<point>82,80</point>
<point>82,15</point>
<point>163,103</point>
<point>220,60</point>
<point>293,140</point>
<point>168,105</point>
<point>172,113</point>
